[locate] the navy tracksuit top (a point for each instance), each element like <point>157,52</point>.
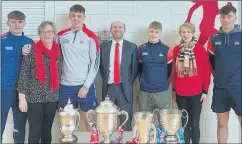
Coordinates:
<point>11,57</point>
<point>225,57</point>
<point>155,63</point>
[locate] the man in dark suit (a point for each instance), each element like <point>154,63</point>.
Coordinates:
<point>119,68</point>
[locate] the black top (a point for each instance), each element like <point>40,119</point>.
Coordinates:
<point>28,84</point>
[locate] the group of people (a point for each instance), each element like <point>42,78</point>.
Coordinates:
<point>39,77</point>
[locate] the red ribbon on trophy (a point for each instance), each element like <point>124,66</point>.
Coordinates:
<point>94,139</point>
<point>119,139</point>
<point>135,140</point>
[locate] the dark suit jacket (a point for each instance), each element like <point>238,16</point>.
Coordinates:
<point>129,67</point>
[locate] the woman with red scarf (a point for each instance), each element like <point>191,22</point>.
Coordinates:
<point>38,84</point>
<point>191,79</point>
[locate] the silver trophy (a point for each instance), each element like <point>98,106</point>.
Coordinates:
<point>69,119</point>
<point>144,127</point>
<point>105,118</point>
<point>170,120</point>
<point>103,36</point>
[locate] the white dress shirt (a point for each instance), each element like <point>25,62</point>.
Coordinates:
<point>111,64</point>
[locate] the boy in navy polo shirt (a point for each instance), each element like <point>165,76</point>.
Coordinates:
<point>11,57</point>
<point>155,69</point>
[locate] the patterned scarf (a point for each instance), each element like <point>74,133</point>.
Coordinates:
<point>186,62</point>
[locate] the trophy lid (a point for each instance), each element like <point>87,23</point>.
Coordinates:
<point>107,106</point>
<point>69,108</point>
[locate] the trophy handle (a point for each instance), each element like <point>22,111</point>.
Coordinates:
<point>156,116</point>
<point>59,113</point>
<point>78,120</point>
<point>127,116</point>
<point>186,116</point>
<point>135,131</point>
<point>154,129</point>
<point>89,112</point>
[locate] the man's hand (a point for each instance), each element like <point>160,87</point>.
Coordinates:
<point>23,106</point>
<point>60,109</point>
<point>174,95</point>
<point>83,92</point>
<point>203,98</point>
<point>26,49</point>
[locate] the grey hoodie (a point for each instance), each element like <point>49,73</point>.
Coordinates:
<point>235,30</point>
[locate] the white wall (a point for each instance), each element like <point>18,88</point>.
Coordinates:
<point>239,12</point>
<point>137,15</point>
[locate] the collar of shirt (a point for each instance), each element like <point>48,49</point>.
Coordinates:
<point>15,36</point>
<point>75,31</point>
<point>157,43</point>
<point>120,43</point>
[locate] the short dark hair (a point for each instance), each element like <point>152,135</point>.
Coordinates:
<point>18,15</point>
<point>227,9</point>
<point>77,8</point>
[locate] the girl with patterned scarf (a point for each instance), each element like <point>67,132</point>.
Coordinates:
<point>190,79</point>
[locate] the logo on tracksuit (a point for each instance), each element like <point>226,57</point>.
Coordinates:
<point>8,48</point>
<point>236,43</point>
<point>144,53</point>
<point>217,43</point>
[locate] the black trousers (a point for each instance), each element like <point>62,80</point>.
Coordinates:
<point>193,106</point>
<point>116,94</point>
<point>41,117</point>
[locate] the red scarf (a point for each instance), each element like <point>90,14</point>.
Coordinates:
<point>53,54</point>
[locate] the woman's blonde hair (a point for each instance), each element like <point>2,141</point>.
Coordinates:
<point>189,26</point>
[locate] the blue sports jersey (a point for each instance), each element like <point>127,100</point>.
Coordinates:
<point>11,57</point>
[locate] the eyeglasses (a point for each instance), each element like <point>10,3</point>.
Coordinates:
<point>46,32</point>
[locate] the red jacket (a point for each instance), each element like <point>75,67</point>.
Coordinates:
<point>191,86</point>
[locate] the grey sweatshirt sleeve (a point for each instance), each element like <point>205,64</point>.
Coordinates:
<point>94,63</point>
<point>57,40</point>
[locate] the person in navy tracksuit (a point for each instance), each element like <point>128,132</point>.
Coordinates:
<point>155,60</point>
<point>11,56</point>
<point>225,58</point>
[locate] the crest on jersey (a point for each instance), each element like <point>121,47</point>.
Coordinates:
<point>217,43</point>
<point>236,43</point>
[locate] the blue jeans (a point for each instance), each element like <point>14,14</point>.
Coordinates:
<point>9,98</point>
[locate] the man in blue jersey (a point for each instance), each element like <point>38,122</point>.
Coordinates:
<point>11,56</point>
